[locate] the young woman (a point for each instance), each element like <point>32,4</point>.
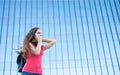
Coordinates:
<point>32,51</point>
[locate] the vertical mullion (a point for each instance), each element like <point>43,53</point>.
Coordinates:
<point>119,2</point>
<point>60,35</point>
<point>78,36</point>
<point>117,12</point>
<point>116,31</point>
<point>112,33</point>
<point>42,17</point>
<point>106,36</point>
<point>48,32</point>
<point>114,21</point>
<point>6,37</point>
<point>13,36</point>
<point>31,14</point>
<point>95,38</point>
<point>42,24</point>
<point>19,26</point>
<point>66,37</point>
<point>2,21</point>
<point>84,38</point>
<point>54,36</point>
<point>25,16</point>
<point>101,37</point>
<point>37,13</point>
<point>72,34</point>
<point>119,23</point>
<point>89,36</point>
<point>76,23</point>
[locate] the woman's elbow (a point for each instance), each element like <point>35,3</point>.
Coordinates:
<point>53,41</point>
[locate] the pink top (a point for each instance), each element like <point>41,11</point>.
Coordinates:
<point>34,63</point>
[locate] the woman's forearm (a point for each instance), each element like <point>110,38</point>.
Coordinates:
<point>50,42</point>
<point>47,40</point>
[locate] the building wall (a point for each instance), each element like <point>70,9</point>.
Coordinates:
<point>87,34</point>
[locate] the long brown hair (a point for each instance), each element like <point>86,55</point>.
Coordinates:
<point>28,38</point>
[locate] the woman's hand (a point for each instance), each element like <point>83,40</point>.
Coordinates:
<point>38,37</point>
<point>50,43</point>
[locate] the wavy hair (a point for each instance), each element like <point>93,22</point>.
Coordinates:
<point>28,38</point>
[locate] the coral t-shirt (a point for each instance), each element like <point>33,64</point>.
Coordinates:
<point>34,63</point>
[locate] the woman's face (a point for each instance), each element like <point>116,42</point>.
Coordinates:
<point>38,33</point>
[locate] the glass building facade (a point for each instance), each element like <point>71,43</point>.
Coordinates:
<point>87,34</point>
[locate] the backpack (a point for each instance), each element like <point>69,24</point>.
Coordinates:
<point>20,62</point>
